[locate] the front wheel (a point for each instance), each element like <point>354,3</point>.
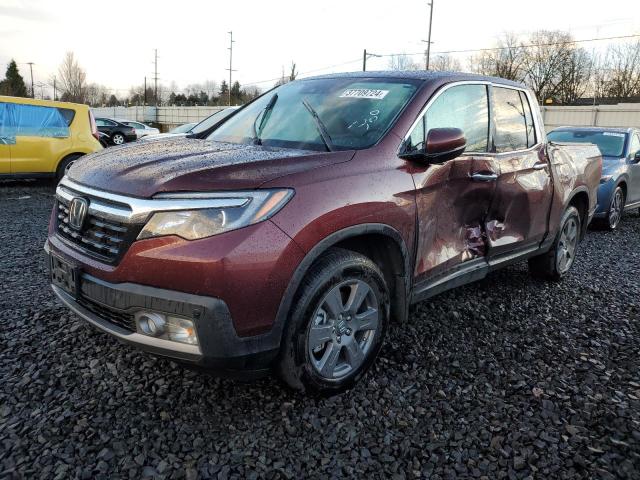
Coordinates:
<point>337,325</point>
<point>554,264</point>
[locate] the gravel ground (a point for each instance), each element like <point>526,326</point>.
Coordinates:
<point>505,378</point>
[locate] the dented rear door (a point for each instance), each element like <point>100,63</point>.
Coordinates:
<point>518,218</point>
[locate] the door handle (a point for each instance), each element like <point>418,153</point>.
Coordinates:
<point>484,177</point>
<point>539,166</point>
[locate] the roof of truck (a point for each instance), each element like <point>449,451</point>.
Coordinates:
<point>426,75</point>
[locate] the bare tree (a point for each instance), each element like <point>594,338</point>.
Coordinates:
<point>402,62</point>
<point>96,95</point>
<point>72,80</point>
<point>444,63</point>
<point>544,59</point>
<point>505,60</point>
<point>622,67</point>
<point>575,76</point>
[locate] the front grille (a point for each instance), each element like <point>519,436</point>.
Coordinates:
<point>122,319</point>
<point>104,239</point>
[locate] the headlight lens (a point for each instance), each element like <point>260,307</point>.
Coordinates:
<point>205,222</point>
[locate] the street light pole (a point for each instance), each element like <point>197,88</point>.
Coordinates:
<point>33,95</point>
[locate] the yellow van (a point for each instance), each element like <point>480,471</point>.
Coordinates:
<point>42,138</point>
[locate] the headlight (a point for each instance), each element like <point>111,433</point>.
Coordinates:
<point>192,224</point>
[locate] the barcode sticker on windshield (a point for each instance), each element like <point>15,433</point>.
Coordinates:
<point>613,134</point>
<point>364,93</point>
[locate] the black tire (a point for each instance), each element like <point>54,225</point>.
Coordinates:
<point>614,212</point>
<point>337,271</point>
<point>118,139</point>
<point>64,165</point>
<point>549,266</point>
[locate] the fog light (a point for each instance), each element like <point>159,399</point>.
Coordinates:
<point>181,330</point>
<point>167,327</point>
<point>150,323</point>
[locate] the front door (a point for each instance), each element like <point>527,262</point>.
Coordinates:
<point>519,213</point>
<point>453,198</point>
<point>633,190</point>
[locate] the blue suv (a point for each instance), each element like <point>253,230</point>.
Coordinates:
<point>620,183</point>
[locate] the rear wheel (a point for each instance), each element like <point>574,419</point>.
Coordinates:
<point>555,264</point>
<point>337,325</point>
<point>117,138</point>
<point>65,165</point>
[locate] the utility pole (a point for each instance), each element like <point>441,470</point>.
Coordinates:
<point>144,102</point>
<point>55,97</point>
<point>366,55</point>
<point>155,77</point>
<point>428,54</point>
<point>31,68</point>
<point>230,63</point>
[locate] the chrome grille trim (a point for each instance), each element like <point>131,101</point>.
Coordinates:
<point>125,209</point>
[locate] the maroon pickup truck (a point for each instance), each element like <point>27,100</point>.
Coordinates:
<point>293,235</point>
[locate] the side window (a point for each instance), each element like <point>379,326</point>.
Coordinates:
<point>528,118</point>
<point>109,123</point>
<point>99,122</point>
<point>67,114</point>
<point>7,129</point>
<point>37,121</point>
<point>634,146</point>
<point>464,107</point>
<point>510,120</point>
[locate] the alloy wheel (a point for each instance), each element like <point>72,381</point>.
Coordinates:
<point>567,245</point>
<point>118,139</point>
<point>615,209</point>
<point>343,328</point>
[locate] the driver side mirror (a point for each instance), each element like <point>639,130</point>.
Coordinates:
<point>441,144</point>
<point>636,157</point>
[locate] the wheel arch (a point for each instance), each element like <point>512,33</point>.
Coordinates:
<point>389,248</point>
<point>579,199</point>
<point>76,154</point>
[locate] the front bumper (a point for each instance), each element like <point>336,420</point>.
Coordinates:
<point>110,308</point>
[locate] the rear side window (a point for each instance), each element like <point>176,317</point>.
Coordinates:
<point>464,107</point>
<point>528,118</point>
<point>34,121</point>
<point>68,115</point>
<point>510,120</point>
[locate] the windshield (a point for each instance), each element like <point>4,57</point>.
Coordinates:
<point>182,128</point>
<point>211,120</point>
<point>350,113</point>
<point>611,144</point>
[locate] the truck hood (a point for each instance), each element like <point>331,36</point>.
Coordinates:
<point>187,164</point>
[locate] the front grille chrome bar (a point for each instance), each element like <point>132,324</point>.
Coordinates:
<point>125,209</point>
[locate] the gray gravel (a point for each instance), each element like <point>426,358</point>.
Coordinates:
<point>505,378</point>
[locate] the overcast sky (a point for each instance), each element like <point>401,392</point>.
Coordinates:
<point>114,40</point>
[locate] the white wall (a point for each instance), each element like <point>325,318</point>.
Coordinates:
<point>621,115</point>
<point>167,116</point>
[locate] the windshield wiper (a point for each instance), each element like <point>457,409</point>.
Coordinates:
<point>262,116</point>
<point>322,130</point>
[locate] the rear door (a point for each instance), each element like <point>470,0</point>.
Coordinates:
<point>633,193</point>
<point>7,138</point>
<point>42,138</point>
<point>518,218</point>
<point>453,197</point>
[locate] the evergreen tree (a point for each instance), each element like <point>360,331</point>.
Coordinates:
<point>13,84</point>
